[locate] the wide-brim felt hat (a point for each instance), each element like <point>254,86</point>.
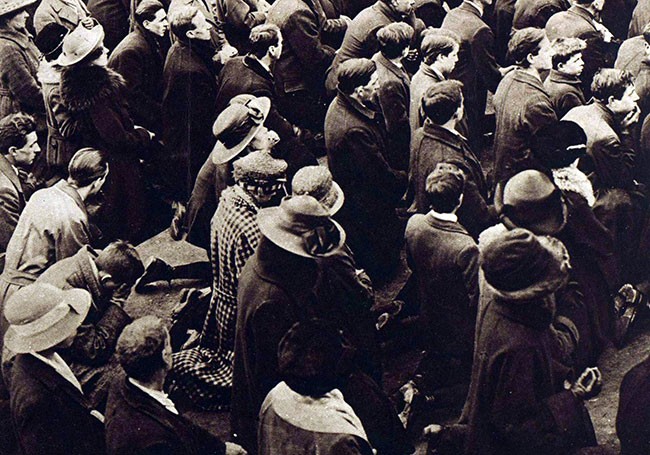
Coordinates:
<point>41,316</point>
<point>316,181</point>
<point>302,226</point>
<point>251,113</point>
<point>10,6</point>
<point>80,43</point>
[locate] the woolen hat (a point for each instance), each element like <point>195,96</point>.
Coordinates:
<point>42,316</point>
<point>316,181</point>
<point>259,166</point>
<point>80,43</point>
<point>236,127</point>
<point>559,144</point>
<point>518,260</point>
<point>302,226</point>
<point>530,200</point>
<point>9,6</point>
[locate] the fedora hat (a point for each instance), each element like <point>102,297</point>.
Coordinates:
<point>316,181</point>
<point>237,125</point>
<point>302,226</point>
<point>10,6</point>
<point>79,44</point>
<point>42,316</point>
<point>530,200</point>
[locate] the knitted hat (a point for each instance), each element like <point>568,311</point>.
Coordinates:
<point>10,6</point>
<point>50,40</point>
<point>518,261</point>
<point>258,166</point>
<point>559,144</point>
<point>316,181</point>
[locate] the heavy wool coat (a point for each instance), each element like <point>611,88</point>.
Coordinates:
<point>138,424</point>
<point>114,17</point>
<point>564,91</point>
<point>12,203</point>
<point>421,81</point>
<point>535,13</point>
<point>238,18</point>
<point>139,58</point>
<point>630,55</point>
<point>50,415</point>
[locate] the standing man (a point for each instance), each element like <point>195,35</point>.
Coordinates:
<point>563,83</point>
<point>140,58</point>
<point>189,94</point>
<point>355,137</point>
<point>18,149</point>
<point>521,104</point>
<point>68,13</point>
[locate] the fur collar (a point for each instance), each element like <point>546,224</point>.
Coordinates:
<point>573,179</point>
<point>84,86</point>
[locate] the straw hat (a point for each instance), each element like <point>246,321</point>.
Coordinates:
<point>316,181</point>
<point>42,316</point>
<point>302,226</point>
<point>10,6</point>
<point>79,44</point>
<point>236,127</point>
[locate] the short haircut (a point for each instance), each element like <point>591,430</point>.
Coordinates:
<point>523,42</point>
<point>442,100</point>
<point>121,260</point>
<point>262,37</point>
<point>147,9</point>
<point>611,82</point>
<point>355,72</point>
<point>646,33</point>
<point>444,187</point>
<point>14,129</point>
<point>140,347</point>
<point>394,38</point>
<point>565,48</point>
<point>86,166</point>
<point>437,42</point>
<point>180,20</point>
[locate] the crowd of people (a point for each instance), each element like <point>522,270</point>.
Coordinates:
<point>308,146</point>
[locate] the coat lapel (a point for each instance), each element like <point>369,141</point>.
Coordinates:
<point>8,171</point>
<point>54,382</point>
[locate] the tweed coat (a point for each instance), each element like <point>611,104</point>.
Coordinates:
<point>433,144</point>
<point>65,13</point>
<point>564,91</point>
<point>205,372</point>
<point>50,415</point>
<point>138,424</point>
<point>139,58</point>
<point>522,106</point>
<point>12,203</point>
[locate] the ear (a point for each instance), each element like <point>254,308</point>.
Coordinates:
<point>146,23</point>
<point>359,91</point>
<point>12,150</point>
<point>190,34</point>
<point>530,58</point>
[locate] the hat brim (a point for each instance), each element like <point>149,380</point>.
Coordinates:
<point>98,37</point>
<point>221,154</point>
<point>16,7</point>
<point>79,301</point>
<point>340,199</point>
<point>267,222</point>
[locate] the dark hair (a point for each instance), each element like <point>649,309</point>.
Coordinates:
<point>565,48</point>
<point>611,82</point>
<point>524,42</point>
<point>140,347</point>
<point>444,187</point>
<point>86,166</point>
<point>180,20</point>
<point>146,10</point>
<point>437,42</point>
<point>442,100</point>
<point>262,37</point>
<point>394,38</point>
<point>121,260</point>
<point>584,2</point>
<point>94,55</point>
<point>14,129</point>
<point>353,73</point>
<point>50,40</point>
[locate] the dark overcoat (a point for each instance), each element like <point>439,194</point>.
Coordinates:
<point>634,410</point>
<point>565,92</point>
<point>12,203</point>
<point>535,13</point>
<point>114,17</point>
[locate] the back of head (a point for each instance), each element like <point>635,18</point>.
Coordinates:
<point>610,82</point>
<point>565,48</point>
<point>524,42</point>
<point>86,166</point>
<point>444,187</point>
<point>394,38</point>
<point>140,348</point>
<point>354,73</point>
<point>121,260</point>
<point>14,129</point>
<point>437,42</point>
<point>442,100</point>
<point>262,37</point>
<point>180,20</point>
<point>146,10</point>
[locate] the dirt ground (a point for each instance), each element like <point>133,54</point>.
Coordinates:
<point>400,359</point>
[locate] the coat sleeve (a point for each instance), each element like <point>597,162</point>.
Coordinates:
<point>113,129</point>
<point>302,34</point>
<point>483,56</point>
<point>468,264</point>
<point>240,15</point>
<point>19,80</point>
<point>9,213</point>
<point>394,102</point>
<point>70,238</point>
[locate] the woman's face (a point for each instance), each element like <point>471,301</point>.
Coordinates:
<point>102,60</point>
<point>265,139</point>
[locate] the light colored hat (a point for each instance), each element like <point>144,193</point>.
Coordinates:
<point>259,166</point>
<point>79,44</point>
<point>9,6</point>
<point>42,316</point>
<point>302,226</point>
<point>236,127</point>
<point>316,181</point>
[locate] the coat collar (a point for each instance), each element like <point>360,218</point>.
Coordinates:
<point>8,171</point>
<point>23,40</point>
<point>387,11</point>
<point>146,404</point>
<point>561,78</point>
<point>531,313</point>
<point>254,64</point>
<point>584,14</point>
<point>354,105</point>
<point>525,77</point>
<point>71,192</point>
<point>430,72</point>
<point>445,225</point>
<point>449,138</point>
<point>468,7</point>
<point>398,72</point>
<point>84,260</point>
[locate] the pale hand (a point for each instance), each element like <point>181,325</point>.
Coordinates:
<point>234,449</point>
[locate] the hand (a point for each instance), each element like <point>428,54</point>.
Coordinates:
<point>588,384</point>
<point>234,449</point>
<point>346,19</point>
<point>226,53</point>
<point>88,22</point>
<point>631,118</point>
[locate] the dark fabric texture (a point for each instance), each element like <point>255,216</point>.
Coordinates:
<point>12,203</point>
<point>634,410</point>
<point>564,91</point>
<point>114,17</point>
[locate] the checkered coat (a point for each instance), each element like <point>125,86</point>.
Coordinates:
<point>205,372</point>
